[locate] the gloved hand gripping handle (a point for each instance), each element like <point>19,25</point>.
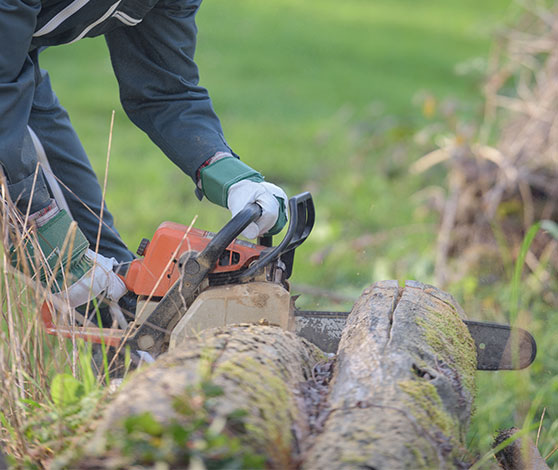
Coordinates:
<point>302,217</point>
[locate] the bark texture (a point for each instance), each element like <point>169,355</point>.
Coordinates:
<point>403,384</point>
<point>398,394</point>
<point>259,369</point>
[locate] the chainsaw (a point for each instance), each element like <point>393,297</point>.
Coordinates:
<point>187,280</point>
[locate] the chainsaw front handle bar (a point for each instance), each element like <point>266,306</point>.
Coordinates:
<point>301,221</point>
<point>229,232</point>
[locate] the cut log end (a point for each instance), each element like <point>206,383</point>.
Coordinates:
<point>403,386</point>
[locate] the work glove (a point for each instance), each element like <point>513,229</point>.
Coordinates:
<point>74,273</point>
<point>231,183</point>
<point>99,281</point>
<point>269,197</point>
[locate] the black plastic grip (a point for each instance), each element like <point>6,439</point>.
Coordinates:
<point>229,232</point>
<point>302,216</point>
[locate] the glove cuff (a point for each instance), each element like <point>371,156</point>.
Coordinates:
<point>281,218</point>
<point>218,177</point>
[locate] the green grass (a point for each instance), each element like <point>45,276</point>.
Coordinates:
<point>321,96</point>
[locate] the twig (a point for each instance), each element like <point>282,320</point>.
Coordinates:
<point>551,453</point>
<point>540,427</point>
<point>446,227</point>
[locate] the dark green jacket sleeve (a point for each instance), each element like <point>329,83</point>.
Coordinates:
<point>17,81</point>
<point>158,80</point>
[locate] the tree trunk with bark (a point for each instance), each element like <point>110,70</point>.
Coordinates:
<point>403,385</point>
<point>397,395</point>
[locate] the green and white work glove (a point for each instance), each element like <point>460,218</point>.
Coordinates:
<point>74,273</point>
<point>230,183</point>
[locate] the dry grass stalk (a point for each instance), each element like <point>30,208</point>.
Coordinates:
<point>29,358</point>
<point>23,346</point>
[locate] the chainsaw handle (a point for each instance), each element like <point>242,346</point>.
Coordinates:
<point>302,217</point>
<point>229,233</point>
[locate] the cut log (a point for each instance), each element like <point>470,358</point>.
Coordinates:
<point>403,385</point>
<point>397,396</point>
<point>259,369</point>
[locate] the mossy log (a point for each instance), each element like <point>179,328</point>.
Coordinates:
<point>259,369</point>
<point>403,385</point>
<point>398,394</point>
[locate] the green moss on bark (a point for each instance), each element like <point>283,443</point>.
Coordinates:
<point>451,341</point>
<point>426,406</point>
<point>271,408</point>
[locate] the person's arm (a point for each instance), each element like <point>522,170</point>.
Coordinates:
<point>17,87</point>
<point>158,80</point>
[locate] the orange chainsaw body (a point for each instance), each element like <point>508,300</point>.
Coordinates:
<point>155,273</point>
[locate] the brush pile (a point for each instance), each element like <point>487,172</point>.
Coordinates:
<point>496,192</point>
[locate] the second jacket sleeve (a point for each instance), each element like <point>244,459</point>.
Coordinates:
<point>158,80</point>
<point>17,83</point>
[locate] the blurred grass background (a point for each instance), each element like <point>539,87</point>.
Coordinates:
<point>327,97</point>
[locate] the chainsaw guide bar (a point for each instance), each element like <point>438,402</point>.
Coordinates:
<point>499,347</point>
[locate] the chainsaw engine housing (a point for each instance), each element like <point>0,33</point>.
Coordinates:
<point>155,273</point>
